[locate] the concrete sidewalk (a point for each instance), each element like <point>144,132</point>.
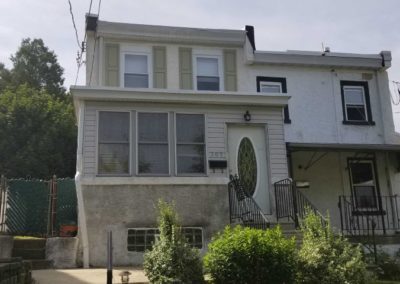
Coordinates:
<point>85,276</point>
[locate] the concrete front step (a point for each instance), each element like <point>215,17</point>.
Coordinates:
<point>26,253</point>
<point>38,264</point>
<point>29,243</point>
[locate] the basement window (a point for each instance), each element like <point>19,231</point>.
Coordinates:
<point>142,239</point>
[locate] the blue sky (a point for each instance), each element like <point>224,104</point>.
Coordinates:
<point>345,26</point>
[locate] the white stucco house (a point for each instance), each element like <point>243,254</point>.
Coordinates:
<point>172,112</point>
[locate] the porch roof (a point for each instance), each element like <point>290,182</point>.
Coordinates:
<point>292,146</point>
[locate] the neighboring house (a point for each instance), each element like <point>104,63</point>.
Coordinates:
<point>171,112</point>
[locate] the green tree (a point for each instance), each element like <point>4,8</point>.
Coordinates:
<point>172,260</point>
<point>38,134</point>
<point>325,258</point>
<point>5,77</point>
<point>35,65</point>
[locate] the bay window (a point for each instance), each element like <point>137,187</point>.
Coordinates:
<point>190,144</point>
<point>153,153</point>
<point>113,142</point>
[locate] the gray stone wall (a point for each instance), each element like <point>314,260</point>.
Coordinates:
<point>120,207</point>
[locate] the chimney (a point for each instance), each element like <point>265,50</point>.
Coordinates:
<point>91,22</point>
<point>250,36</point>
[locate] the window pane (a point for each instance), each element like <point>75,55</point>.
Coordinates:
<point>270,88</point>
<point>356,113</point>
<point>136,64</point>
<point>207,66</point>
<point>362,173</point>
<point>190,128</point>
<point>153,158</point>
<point>113,126</point>
<point>207,83</point>
<point>113,158</point>
<point>153,143</point>
<point>365,196</point>
<point>153,127</point>
<point>354,95</point>
<point>136,81</point>
<point>190,159</point>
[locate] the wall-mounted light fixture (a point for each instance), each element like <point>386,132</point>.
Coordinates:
<point>247,116</point>
<point>125,277</point>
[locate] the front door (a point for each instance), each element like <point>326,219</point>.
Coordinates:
<point>248,158</point>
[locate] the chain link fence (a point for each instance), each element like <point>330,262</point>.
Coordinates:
<point>40,208</point>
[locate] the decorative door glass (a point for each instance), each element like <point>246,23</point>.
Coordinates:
<point>247,166</point>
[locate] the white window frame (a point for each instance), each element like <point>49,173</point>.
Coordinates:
<point>157,235</point>
<point>148,54</point>
<point>137,145</point>
<point>213,55</point>
<point>98,141</point>
<point>205,174</point>
<point>375,185</point>
<point>351,104</point>
<point>270,83</point>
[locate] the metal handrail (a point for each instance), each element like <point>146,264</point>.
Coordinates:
<point>243,207</point>
<point>292,204</point>
<point>364,229</point>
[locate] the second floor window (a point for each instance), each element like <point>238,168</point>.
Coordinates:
<point>207,73</point>
<point>355,102</point>
<point>136,72</point>
<point>274,85</point>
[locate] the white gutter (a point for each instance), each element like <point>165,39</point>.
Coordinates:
<point>78,176</point>
<point>178,96</point>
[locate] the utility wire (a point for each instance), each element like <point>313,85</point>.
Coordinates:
<point>73,23</point>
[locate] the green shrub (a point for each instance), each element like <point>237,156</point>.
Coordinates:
<point>328,259</point>
<point>172,259</point>
<point>388,266</point>
<point>244,255</point>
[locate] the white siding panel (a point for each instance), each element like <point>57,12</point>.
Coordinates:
<point>217,119</point>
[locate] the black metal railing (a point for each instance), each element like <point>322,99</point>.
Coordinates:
<point>356,220</point>
<point>243,208</point>
<point>361,227</point>
<point>290,203</point>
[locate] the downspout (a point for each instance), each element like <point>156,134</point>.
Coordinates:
<point>79,168</point>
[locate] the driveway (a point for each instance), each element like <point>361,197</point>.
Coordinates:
<point>85,276</point>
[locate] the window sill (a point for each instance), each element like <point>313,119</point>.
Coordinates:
<point>368,123</point>
<point>171,180</point>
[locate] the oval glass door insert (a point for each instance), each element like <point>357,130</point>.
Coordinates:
<point>247,166</point>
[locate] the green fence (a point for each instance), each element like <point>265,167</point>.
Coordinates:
<point>29,208</point>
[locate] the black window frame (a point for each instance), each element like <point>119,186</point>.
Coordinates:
<point>282,81</point>
<point>364,85</point>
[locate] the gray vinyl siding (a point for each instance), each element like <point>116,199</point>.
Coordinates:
<point>217,119</point>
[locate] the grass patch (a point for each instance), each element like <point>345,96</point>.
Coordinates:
<point>27,238</point>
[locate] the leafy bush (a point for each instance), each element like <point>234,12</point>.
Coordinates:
<point>328,259</point>
<point>388,266</point>
<point>244,255</point>
<point>172,259</point>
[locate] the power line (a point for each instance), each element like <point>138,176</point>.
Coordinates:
<point>73,23</point>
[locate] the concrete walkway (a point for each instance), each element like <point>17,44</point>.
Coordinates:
<point>85,276</point>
